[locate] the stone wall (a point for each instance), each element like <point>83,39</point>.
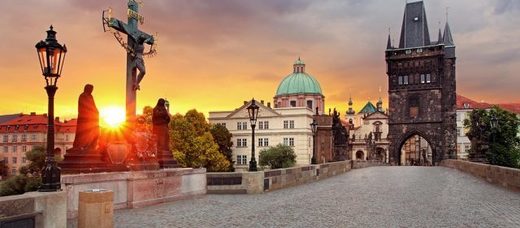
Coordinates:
<point>264,181</point>
<point>359,164</point>
<point>503,176</point>
<point>41,209</point>
<point>137,188</point>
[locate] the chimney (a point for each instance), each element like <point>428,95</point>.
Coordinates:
<point>262,101</point>
<point>57,119</point>
<point>269,104</point>
<point>33,113</point>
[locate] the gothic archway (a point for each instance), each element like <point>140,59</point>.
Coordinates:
<point>360,155</point>
<point>416,150</point>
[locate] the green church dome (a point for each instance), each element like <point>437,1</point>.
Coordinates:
<point>299,82</point>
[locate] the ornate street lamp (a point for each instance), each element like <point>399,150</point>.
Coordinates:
<point>252,110</point>
<point>493,123</point>
<point>314,129</point>
<point>52,56</point>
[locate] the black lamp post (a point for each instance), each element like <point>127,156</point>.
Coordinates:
<point>314,129</point>
<point>493,123</point>
<point>52,56</point>
<point>252,110</point>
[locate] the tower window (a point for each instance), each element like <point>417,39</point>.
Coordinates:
<point>400,80</point>
<point>405,79</point>
<point>293,103</point>
<point>428,78</point>
<point>422,79</point>
<point>309,104</point>
<point>413,104</point>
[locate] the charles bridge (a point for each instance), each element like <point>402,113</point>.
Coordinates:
<point>387,196</point>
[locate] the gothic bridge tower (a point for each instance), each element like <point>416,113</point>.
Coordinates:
<point>422,89</point>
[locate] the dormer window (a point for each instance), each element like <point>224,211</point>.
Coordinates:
<point>466,105</point>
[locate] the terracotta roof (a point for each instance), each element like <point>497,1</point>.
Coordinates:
<point>466,103</point>
<point>35,123</point>
<point>512,107</point>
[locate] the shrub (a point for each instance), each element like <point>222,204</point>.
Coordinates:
<point>280,156</point>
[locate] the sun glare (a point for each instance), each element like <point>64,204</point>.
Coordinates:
<point>112,116</point>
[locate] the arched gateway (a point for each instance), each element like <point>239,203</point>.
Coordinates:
<point>421,89</point>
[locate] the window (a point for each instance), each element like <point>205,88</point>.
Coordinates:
<point>458,131</point>
<point>285,124</point>
<point>13,171</point>
<point>309,104</point>
<point>14,160</point>
<point>15,138</point>
<point>260,125</point>
<point>291,123</point>
<point>6,160</point>
<point>467,147</point>
<point>405,79</point>
<point>33,137</point>
<point>6,149</point>
<point>288,141</point>
<point>24,148</point>
<point>293,103</point>
<point>66,138</point>
<point>400,80</point>
<point>6,138</point>
<point>263,142</point>
<point>422,79</point>
<point>241,142</point>
<point>241,125</point>
<point>266,125</point>
<point>428,78</point>
<point>241,159</point>
<point>14,149</point>
<point>24,160</point>
<point>413,105</point>
<point>24,137</point>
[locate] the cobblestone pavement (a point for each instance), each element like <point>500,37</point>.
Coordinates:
<point>370,197</point>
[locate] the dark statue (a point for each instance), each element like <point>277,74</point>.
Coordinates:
<point>160,120</point>
<point>87,129</point>
<point>340,138</point>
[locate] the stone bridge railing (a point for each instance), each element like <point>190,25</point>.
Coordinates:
<point>503,176</point>
<point>268,180</point>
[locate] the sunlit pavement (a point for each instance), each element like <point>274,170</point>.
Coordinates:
<point>370,197</point>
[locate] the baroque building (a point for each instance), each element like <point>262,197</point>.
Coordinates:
<point>422,89</point>
<point>288,122</point>
<point>26,131</point>
<point>368,131</point>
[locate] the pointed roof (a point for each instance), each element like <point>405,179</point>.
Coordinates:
<point>389,43</point>
<point>448,39</point>
<point>439,40</point>
<point>414,30</point>
<point>369,108</point>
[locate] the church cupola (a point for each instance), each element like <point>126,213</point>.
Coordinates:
<point>379,105</point>
<point>350,111</point>
<point>299,66</point>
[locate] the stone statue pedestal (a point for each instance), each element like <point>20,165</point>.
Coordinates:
<point>86,161</point>
<point>165,159</point>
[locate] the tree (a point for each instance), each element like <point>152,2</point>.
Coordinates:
<point>29,178</point>
<point>500,144</point>
<point>193,145</point>
<point>280,156</point>
<point>222,137</point>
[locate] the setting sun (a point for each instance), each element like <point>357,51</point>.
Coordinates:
<point>112,116</point>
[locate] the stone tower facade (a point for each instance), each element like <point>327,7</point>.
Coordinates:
<point>422,87</point>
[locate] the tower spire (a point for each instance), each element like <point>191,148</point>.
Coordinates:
<point>389,41</point>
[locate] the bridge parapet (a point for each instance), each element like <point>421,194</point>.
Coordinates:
<point>503,176</point>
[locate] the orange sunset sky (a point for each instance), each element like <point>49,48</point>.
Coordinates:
<point>215,54</point>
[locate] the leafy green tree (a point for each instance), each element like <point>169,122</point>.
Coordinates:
<point>193,145</point>
<point>222,137</point>
<point>500,144</point>
<point>29,178</point>
<point>280,156</point>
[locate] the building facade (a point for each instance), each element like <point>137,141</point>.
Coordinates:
<point>288,126</point>
<point>23,133</point>
<point>422,87</point>
<point>368,131</point>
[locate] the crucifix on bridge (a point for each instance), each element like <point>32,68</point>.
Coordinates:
<point>135,51</point>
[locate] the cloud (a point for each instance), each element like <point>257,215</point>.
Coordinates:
<point>506,6</point>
